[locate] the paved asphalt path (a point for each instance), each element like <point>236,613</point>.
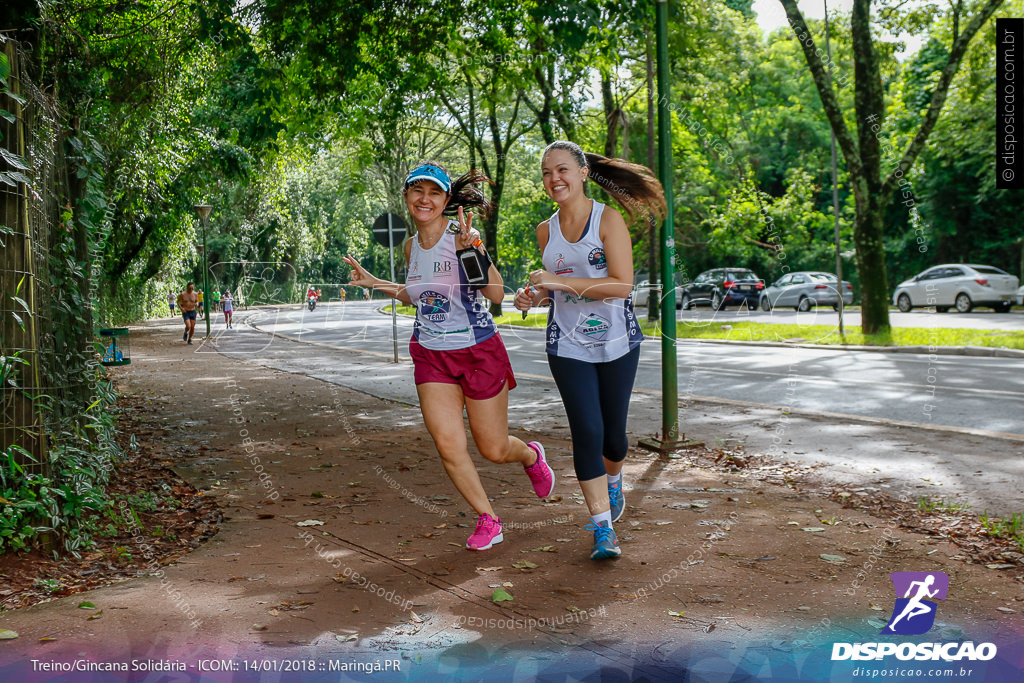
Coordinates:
<point>957,391</point>
<point>870,417</point>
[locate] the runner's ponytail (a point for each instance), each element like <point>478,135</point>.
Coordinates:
<point>467,194</point>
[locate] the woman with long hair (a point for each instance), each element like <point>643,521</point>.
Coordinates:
<point>460,360</point>
<point>593,338</point>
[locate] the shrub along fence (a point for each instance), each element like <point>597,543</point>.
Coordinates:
<point>57,433</point>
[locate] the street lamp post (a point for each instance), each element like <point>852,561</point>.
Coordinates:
<point>835,197</point>
<point>204,213</point>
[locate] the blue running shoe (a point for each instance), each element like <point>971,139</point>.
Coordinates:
<point>617,500</point>
<point>606,543</point>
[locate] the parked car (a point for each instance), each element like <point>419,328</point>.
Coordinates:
<point>1020,296</point>
<point>642,291</point>
<point>721,287</point>
<point>959,285</point>
<point>805,289</point>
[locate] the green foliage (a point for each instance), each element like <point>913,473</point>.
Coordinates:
<point>81,458</point>
<point>1011,527</point>
<point>926,504</point>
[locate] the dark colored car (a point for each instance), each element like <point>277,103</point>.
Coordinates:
<point>721,287</point>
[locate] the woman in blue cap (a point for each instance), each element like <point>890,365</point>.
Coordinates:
<point>460,360</point>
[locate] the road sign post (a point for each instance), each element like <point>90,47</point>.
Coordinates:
<point>388,231</point>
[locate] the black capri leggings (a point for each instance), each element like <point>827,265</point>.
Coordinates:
<point>596,399</point>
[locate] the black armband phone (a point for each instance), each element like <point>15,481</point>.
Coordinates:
<point>475,264</point>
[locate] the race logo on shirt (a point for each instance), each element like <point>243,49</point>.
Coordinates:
<point>596,258</point>
<point>593,328</point>
<point>435,306</point>
<point>414,272</point>
<point>561,267</point>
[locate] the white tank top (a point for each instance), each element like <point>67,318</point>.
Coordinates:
<point>592,330</point>
<point>449,315</point>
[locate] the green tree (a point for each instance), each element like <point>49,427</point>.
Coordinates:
<point>874,179</point>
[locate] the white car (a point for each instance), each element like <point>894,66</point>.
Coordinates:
<point>642,291</point>
<point>1020,296</point>
<point>958,285</point>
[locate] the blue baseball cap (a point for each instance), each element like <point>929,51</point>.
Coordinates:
<point>430,172</point>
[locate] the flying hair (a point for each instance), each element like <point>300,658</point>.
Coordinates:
<point>633,186</point>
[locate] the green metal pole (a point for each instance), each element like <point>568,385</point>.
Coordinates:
<point>206,282</point>
<point>669,365</point>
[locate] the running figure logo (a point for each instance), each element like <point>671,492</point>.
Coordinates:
<point>914,614</point>
<point>434,306</point>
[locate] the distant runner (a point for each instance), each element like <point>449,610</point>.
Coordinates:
<point>229,307</point>
<point>187,302</point>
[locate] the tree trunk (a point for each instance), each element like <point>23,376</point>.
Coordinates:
<point>491,225</point>
<point>867,238</point>
<point>611,117</point>
<point>869,103</point>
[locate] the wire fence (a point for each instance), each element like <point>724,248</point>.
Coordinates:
<point>45,361</point>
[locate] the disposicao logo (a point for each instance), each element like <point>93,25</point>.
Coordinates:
<point>914,614</point>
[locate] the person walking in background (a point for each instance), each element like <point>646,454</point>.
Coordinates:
<point>216,300</point>
<point>200,305</point>
<point>459,358</point>
<point>170,301</point>
<point>188,300</point>
<point>593,338</point>
<point>229,307</point>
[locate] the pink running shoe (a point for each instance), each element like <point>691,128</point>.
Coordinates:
<point>540,474</point>
<point>488,532</point>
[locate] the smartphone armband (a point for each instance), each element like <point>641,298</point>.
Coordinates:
<point>475,265</point>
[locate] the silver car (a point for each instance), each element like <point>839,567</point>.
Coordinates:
<point>642,291</point>
<point>805,289</point>
<point>958,285</point>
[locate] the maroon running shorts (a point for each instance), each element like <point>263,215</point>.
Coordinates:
<point>481,370</point>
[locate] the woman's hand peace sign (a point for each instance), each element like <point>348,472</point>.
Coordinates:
<point>467,235</point>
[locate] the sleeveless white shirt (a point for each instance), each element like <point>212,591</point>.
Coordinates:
<point>591,330</point>
<point>449,314</point>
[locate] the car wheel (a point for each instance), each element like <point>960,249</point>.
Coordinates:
<point>766,304</point>
<point>751,306</point>
<point>903,303</point>
<point>716,301</point>
<point>1003,308</point>
<point>941,309</point>
<point>804,304</point>
<point>964,303</point>
<point>684,303</point>
<point>835,307</point>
